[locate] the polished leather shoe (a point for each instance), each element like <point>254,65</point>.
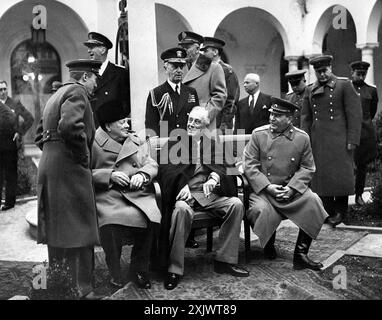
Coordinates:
<point>223,267</point>
<point>302,261</point>
<point>92,296</point>
<point>6,207</point>
<point>334,220</point>
<point>141,280</point>
<point>171,281</point>
<point>270,253</point>
<point>116,283</point>
<point>359,201</point>
<point>192,243</point>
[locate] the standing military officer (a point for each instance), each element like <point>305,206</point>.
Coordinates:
<point>114,81</point>
<point>212,48</point>
<point>169,104</point>
<point>367,148</point>
<point>205,76</point>
<point>67,218</point>
<point>332,115</point>
<point>297,82</point>
<point>279,165</point>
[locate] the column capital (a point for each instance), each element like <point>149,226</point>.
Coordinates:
<point>367,45</point>
<point>292,58</point>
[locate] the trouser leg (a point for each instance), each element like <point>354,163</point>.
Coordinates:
<point>300,257</point>
<point>2,169</point>
<point>181,221</point>
<point>141,251</point>
<point>329,205</point>
<point>360,178</point>
<point>111,243</point>
<point>10,176</point>
<point>342,204</point>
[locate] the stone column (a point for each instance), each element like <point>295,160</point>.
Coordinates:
<point>142,58</point>
<point>368,56</point>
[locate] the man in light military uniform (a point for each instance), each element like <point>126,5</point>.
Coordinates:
<point>367,149</point>
<point>169,104</point>
<point>212,48</point>
<point>279,165</point>
<point>297,82</point>
<point>332,115</point>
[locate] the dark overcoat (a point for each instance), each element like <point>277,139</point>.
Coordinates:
<point>163,104</point>
<point>250,118</point>
<point>285,159</point>
<point>297,99</point>
<point>225,117</point>
<point>122,206</point>
<point>114,84</point>
<point>67,215</point>
<point>332,116</point>
<point>367,149</point>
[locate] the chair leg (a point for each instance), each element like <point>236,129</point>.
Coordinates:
<point>209,239</point>
<point>247,238</point>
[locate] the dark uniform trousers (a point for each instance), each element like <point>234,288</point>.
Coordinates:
<point>114,236</point>
<point>8,174</point>
<point>80,264</point>
<point>335,204</point>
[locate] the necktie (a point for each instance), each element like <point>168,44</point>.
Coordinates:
<point>252,103</point>
<point>177,89</point>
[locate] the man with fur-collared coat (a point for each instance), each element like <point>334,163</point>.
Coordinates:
<point>279,165</point>
<point>127,212</point>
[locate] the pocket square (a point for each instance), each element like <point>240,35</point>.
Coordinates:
<point>264,107</point>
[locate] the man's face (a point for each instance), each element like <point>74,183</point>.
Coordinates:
<point>358,76</point>
<point>174,71</point>
<point>90,82</point>
<point>279,122</point>
<point>3,91</point>
<point>118,130</point>
<point>195,123</point>
<point>250,85</point>
<point>96,52</point>
<point>323,74</point>
<point>210,52</point>
<point>192,50</point>
<point>298,86</point>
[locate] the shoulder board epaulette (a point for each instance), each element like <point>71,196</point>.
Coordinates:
<point>343,78</point>
<point>122,67</point>
<point>300,130</point>
<point>289,93</point>
<point>371,85</point>
<point>264,127</point>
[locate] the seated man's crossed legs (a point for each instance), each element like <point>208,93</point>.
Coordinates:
<point>231,210</point>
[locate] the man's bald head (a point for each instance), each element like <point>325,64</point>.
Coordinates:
<point>252,83</point>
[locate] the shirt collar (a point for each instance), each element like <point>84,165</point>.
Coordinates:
<point>172,84</point>
<point>255,97</point>
<point>103,67</point>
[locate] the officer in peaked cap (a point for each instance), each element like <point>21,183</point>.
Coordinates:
<point>84,65</point>
<point>332,115</point>
<point>98,39</point>
<point>296,79</point>
<point>168,105</point>
<point>212,42</point>
<point>279,165</point>
<point>367,149</point>
<point>114,81</point>
<point>188,37</point>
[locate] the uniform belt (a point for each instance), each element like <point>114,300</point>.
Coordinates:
<point>51,135</point>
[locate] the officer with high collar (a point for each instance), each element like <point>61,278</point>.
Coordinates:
<point>296,79</point>
<point>114,81</point>
<point>367,149</point>
<point>332,116</point>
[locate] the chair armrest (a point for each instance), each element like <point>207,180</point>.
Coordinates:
<point>247,189</point>
<point>158,194</point>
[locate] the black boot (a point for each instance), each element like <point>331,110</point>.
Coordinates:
<point>334,220</point>
<point>300,258</point>
<point>269,249</point>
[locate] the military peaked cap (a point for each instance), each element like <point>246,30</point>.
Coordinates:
<point>295,75</point>
<point>85,65</point>
<point>282,106</point>
<point>97,39</point>
<point>174,55</point>
<point>360,66</point>
<point>212,42</point>
<point>321,61</point>
<point>189,37</point>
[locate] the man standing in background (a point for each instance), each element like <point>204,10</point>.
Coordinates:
<point>367,149</point>
<point>297,82</point>
<point>12,128</point>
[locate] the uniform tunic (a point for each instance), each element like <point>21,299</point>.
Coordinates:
<point>297,99</point>
<point>285,159</point>
<point>332,116</point>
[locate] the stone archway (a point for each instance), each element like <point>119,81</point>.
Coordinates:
<point>169,24</point>
<point>340,43</point>
<point>255,42</point>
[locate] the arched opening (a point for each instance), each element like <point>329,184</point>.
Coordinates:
<point>33,69</point>
<point>338,40</point>
<point>169,24</point>
<point>254,44</point>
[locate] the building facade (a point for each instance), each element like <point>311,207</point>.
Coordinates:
<point>262,36</point>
